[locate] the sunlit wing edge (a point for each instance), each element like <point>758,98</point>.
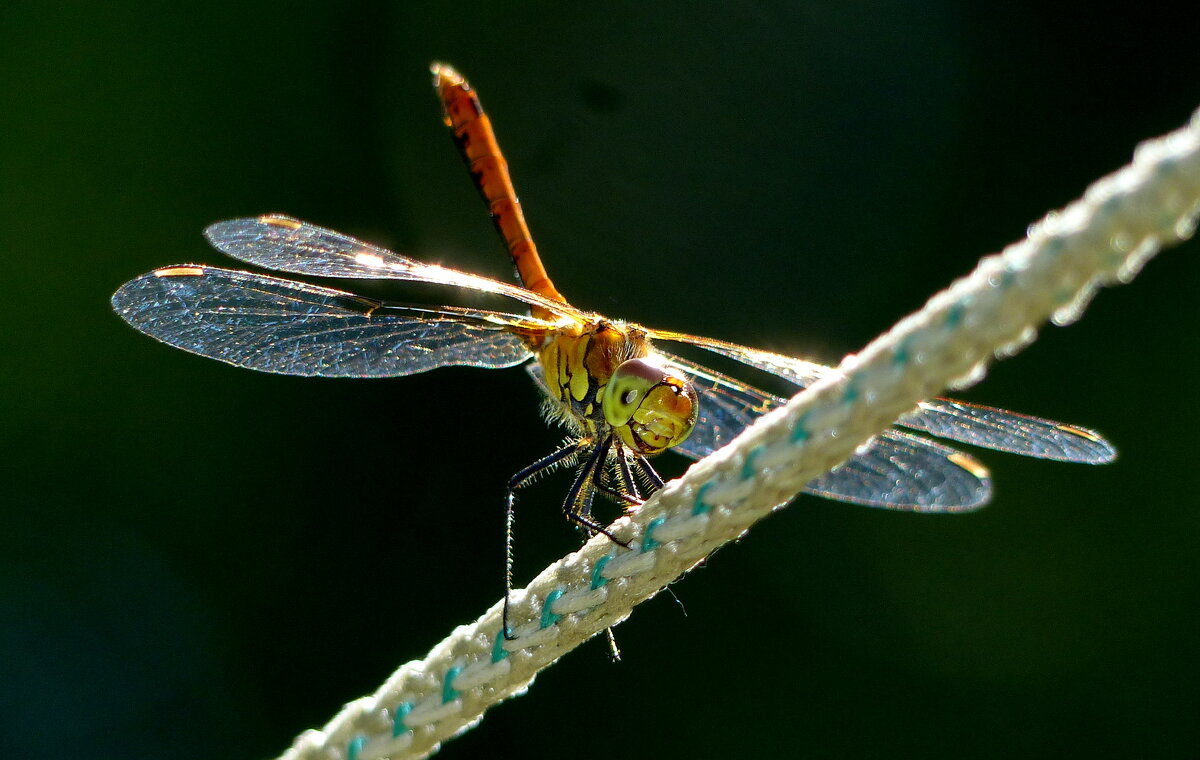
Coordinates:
<point>284,244</point>
<point>275,325</point>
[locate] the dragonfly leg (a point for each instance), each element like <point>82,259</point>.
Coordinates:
<point>625,489</point>
<point>577,507</point>
<point>613,650</point>
<point>619,494</point>
<point>647,470</point>
<point>516,481</point>
<point>625,473</point>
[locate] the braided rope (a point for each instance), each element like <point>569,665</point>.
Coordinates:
<point>1102,239</point>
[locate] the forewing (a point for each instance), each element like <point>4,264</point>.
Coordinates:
<point>284,244</point>
<point>273,325</point>
<point>802,373</point>
<point>895,470</point>
<point>1009,431</point>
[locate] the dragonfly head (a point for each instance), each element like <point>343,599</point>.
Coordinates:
<point>651,407</point>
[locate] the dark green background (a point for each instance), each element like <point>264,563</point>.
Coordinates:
<point>198,561</point>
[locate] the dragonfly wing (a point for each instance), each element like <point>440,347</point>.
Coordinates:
<point>292,328</point>
<point>901,471</point>
<point>896,470</point>
<point>802,373</point>
<point>983,426</point>
<point>290,245</point>
<point>1009,431</point>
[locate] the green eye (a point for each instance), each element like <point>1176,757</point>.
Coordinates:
<point>626,388</point>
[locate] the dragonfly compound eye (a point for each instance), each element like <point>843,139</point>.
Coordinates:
<point>651,407</point>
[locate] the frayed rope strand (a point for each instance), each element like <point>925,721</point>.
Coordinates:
<point>1102,239</point>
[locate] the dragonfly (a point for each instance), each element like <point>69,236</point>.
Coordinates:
<point>622,396</point>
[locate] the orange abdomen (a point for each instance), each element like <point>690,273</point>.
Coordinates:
<point>477,143</point>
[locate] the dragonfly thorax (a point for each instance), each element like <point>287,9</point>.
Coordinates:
<point>577,365</point>
<point>602,378</point>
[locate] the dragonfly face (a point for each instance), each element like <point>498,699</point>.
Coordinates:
<point>651,407</point>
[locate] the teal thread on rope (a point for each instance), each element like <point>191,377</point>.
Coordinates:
<point>748,463</point>
<point>449,693</point>
<point>354,748</point>
<point>402,710</point>
<point>648,541</point>
<point>598,579</point>
<point>498,650</point>
<point>548,616</point>
<point>799,431</point>
<point>700,507</point>
<point>851,393</point>
<point>954,315</point>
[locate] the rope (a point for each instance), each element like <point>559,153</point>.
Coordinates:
<point>1103,239</point>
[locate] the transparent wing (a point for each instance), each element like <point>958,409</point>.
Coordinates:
<point>275,325</point>
<point>290,245</point>
<point>895,470</point>
<point>984,426</point>
<point>1009,431</point>
<point>790,368</point>
<point>898,470</point>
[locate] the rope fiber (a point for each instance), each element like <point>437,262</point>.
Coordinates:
<point>1102,239</point>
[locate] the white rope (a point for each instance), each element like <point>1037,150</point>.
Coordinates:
<point>1105,238</point>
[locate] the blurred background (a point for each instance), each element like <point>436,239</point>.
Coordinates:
<point>198,561</point>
